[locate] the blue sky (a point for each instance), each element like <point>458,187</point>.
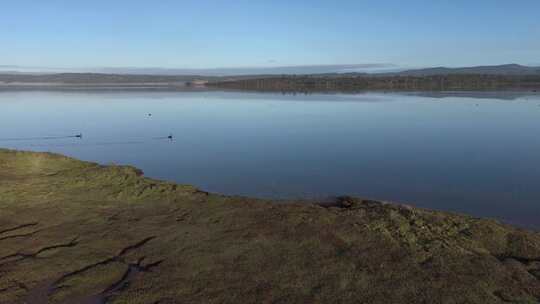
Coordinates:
<point>240,33</point>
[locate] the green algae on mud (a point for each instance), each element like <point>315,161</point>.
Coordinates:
<point>73,231</point>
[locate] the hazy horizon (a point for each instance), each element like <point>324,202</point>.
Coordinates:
<point>215,71</point>
<point>232,71</point>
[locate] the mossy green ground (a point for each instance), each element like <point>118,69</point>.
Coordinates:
<point>78,232</point>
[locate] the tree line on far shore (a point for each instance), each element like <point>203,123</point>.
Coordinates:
<point>314,83</point>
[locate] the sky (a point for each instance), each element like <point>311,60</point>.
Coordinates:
<point>255,33</point>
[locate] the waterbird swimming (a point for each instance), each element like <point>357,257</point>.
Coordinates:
<point>165,137</point>
<point>41,138</point>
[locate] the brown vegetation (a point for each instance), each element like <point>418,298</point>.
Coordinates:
<point>78,232</point>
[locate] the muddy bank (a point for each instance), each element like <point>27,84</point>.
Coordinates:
<point>78,231</point>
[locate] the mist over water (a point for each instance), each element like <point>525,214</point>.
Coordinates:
<point>476,154</point>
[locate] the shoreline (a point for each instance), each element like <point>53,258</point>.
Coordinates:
<point>505,94</point>
<point>326,202</point>
<point>304,83</point>
<point>177,243</point>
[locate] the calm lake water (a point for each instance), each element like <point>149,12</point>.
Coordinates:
<point>476,154</point>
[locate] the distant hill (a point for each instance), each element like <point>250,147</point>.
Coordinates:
<point>93,78</point>
<point>499,77</point>
<point>506,69</point>
<point>26,74</point>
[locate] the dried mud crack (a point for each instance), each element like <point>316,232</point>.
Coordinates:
<point>19,256</point>
<point>17,228</point>
<point>131,271</point>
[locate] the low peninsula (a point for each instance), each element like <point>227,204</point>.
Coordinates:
<point>80,232</point>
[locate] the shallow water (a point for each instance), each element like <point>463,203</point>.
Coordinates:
<point>472,153</point>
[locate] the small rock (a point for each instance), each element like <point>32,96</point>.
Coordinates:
<point>346,203</point>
